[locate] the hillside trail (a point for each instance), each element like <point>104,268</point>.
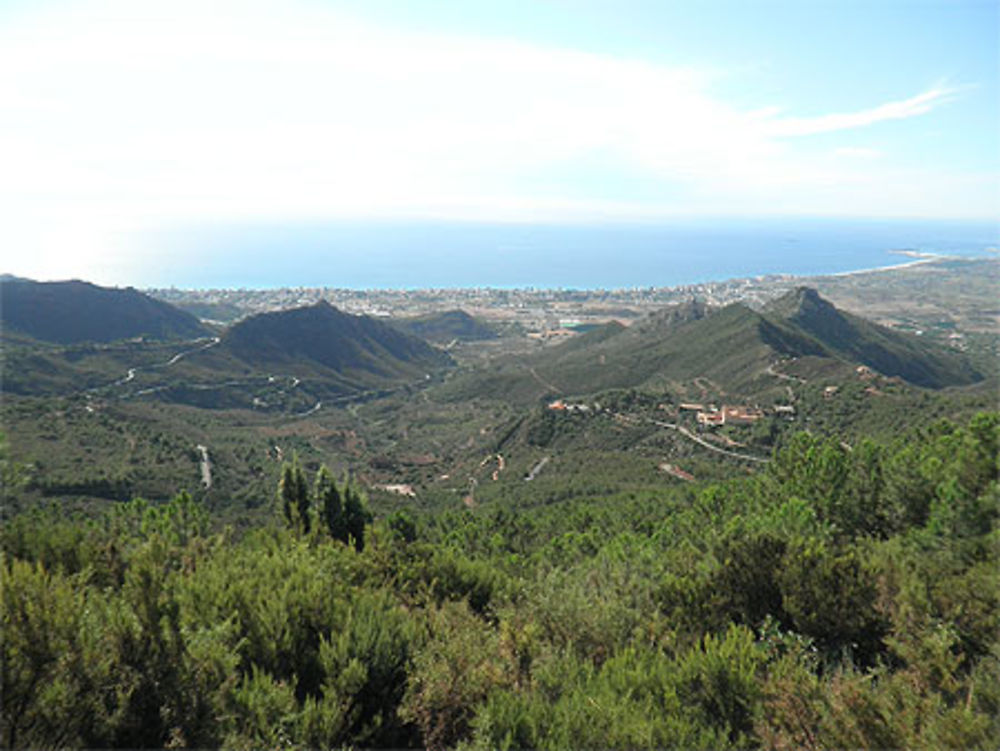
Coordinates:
<point>701,442</point>
<point>706,385</point>
<point>312,410</point>
<point>546,384</point>
<point>536,469</point>
<point>771,371</point>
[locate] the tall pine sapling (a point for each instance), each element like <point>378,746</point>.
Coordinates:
<point>293,494</point>
<point>330,505</point>
<point>356,515</point>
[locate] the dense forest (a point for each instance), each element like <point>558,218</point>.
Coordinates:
<point>847,596</point>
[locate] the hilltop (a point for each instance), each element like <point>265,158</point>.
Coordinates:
<point>74,311</point>
<point>322,336</point>
<point>855,339</point>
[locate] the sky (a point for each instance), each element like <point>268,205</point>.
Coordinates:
<point>122,120</point>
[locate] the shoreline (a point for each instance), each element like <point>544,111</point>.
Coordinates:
<point>892,267</point>
<point>917,260</point>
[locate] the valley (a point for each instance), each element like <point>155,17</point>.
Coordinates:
<point>99,422</point>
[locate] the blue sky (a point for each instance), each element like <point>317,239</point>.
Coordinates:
<point>123,118</point>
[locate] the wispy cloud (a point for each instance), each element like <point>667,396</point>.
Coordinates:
<point>919,104</point>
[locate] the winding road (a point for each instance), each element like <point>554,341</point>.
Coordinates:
<point>212,342</point>
<point>128,377</point>
<point>312,410</point>
<point>688,434</point>
<point>783,376</point>
<point>131,372</point>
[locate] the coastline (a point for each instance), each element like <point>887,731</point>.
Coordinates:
<point>892,267</point>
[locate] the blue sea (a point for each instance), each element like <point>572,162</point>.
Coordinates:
<point>416,254</point>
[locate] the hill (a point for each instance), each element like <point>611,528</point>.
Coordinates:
<point>75,311</point>
<point>733,347</point>
<point>322,336</point>
<point>855,339</point>
<point>446,327</point>
<point>660,321</point>
<point>283,361</point>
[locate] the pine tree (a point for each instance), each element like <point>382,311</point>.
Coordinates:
<point>355,515</point>
<point>293,494</point>
<point>327,497</point>
<point>304,501</point>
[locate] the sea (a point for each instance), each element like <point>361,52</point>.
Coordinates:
<point>433,254</point>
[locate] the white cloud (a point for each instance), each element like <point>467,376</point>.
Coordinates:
<point>116,116</point>
<point>920,104</point>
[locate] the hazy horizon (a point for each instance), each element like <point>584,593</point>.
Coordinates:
<point>415,255</point>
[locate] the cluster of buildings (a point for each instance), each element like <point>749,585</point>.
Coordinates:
<point>707,415</point>
<point>560,406</point>
<point>710,416</point>
<point>729,414</point>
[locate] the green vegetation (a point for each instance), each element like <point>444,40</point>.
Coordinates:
<point>541,546</point>
<point>856,340</point>
<point>69,312</point>
<point>841,597</point>
<point>341,512</point>
<point>444,328</point>
<point>734,347</point>
<point>321,335</point>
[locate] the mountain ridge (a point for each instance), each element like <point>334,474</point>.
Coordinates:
<point>856,339</point>
<point>75,311</point>
<point>734,346</point>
